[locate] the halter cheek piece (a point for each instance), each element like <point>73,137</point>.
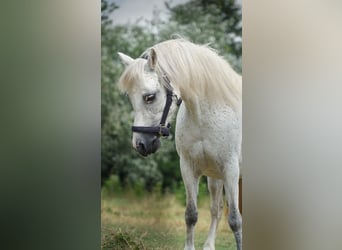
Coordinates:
<point>163,129</point>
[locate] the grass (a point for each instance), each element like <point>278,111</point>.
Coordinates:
<point>154,222</point>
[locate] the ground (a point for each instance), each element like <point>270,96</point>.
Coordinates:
<point>155,222</point>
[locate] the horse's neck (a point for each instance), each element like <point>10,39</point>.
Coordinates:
<point>196,110</point>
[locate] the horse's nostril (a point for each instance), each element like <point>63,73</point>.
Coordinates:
<point>147,144</point>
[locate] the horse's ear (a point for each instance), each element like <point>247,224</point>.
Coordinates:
<point>152,59</point>
<point>126,60</point>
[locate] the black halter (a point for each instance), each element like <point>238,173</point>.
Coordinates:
<point>163,129</point>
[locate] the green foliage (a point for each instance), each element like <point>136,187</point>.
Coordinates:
<point>116,113</point>
<point>215,22</point>
<point>112,186</point>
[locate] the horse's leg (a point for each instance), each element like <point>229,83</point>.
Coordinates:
<point>231,185</point>
<point>216,205</point>
<point>191,187</point>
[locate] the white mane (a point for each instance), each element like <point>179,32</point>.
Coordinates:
<point>195,70</point>
<point>133,73</point>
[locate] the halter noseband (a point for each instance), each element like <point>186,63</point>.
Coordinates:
<point>163,129</point>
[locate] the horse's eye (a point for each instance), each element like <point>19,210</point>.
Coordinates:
<point>149,98</point>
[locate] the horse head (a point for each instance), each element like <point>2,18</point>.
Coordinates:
<point>151,101</point>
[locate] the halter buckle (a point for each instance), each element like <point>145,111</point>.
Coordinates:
<point>164,130</point>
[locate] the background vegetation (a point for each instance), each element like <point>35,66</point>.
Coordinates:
<point>217,22</point>
<point>155,222</point>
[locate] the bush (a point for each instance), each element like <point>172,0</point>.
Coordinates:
<point>112,186</point>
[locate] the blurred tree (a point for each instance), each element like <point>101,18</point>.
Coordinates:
<point>106,10</point>
<point>117,154</point>
<point>217,22</point>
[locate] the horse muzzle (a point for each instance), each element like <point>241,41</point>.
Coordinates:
<point>147,144</point>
